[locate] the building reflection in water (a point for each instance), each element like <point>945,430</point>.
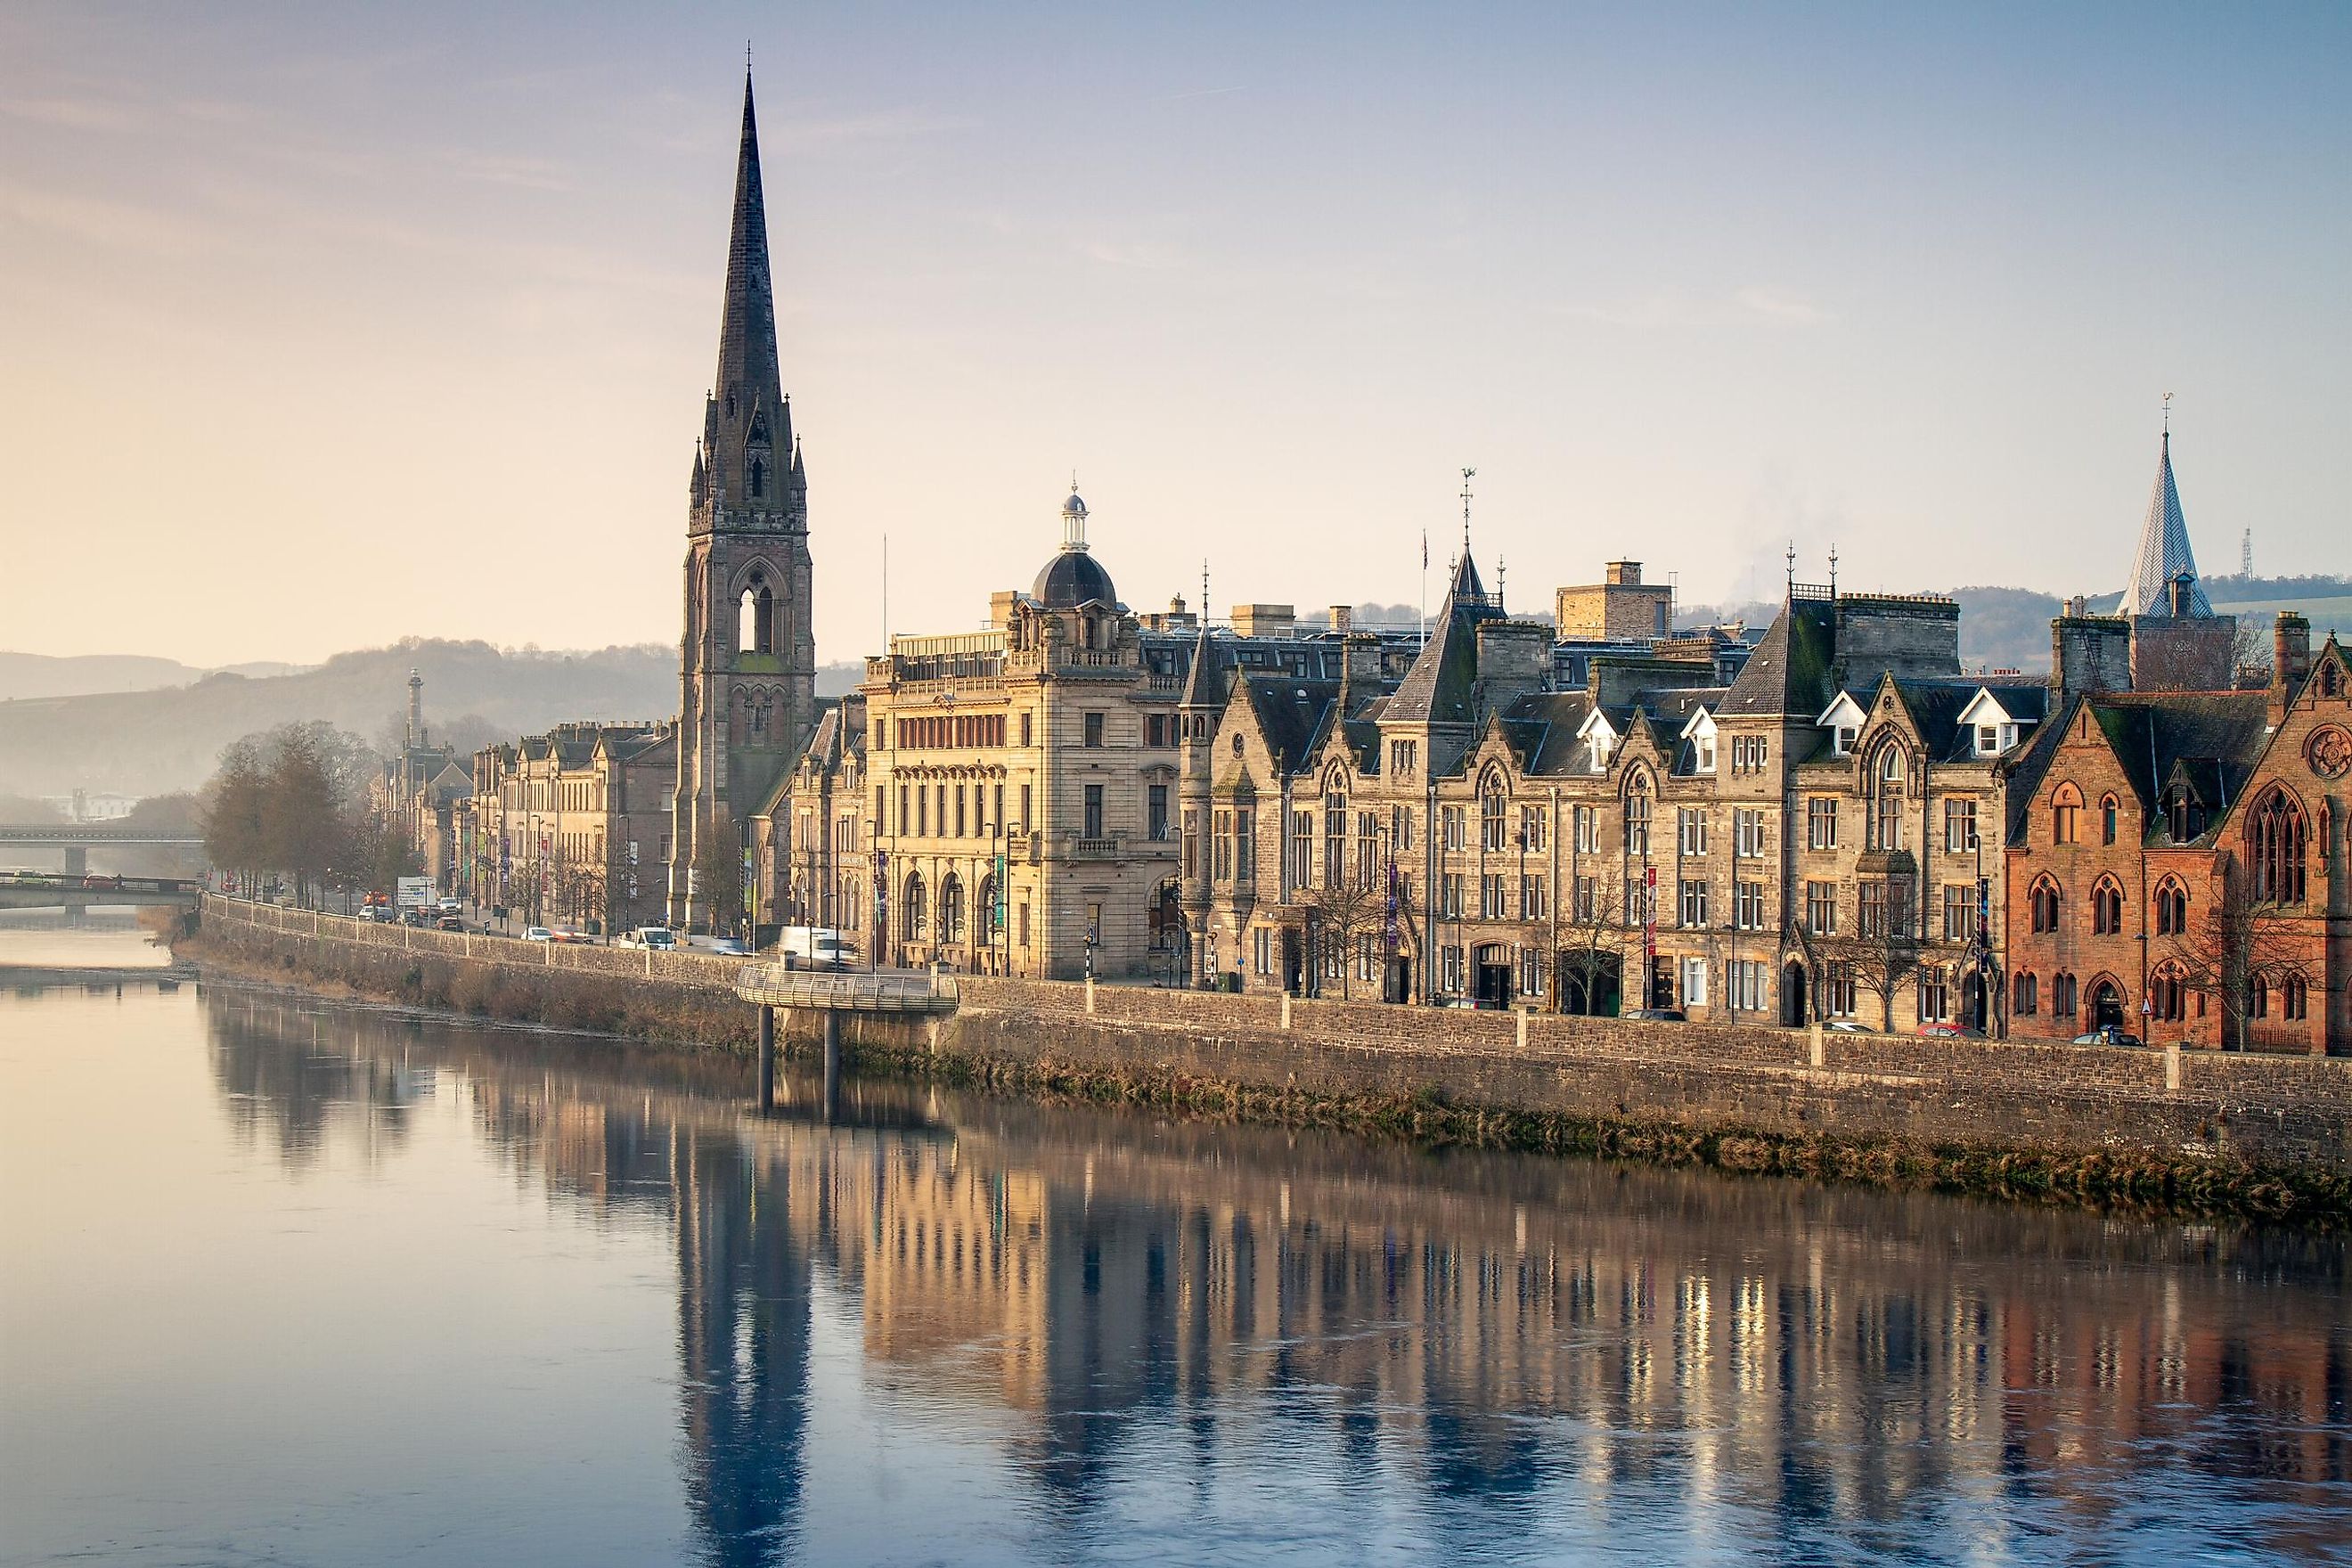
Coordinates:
<point>1486,1344</point>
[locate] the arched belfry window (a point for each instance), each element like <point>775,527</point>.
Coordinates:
<point>755,625</point>
<point>758,478</point>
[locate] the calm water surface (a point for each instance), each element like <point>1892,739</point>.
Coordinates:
<point>294,1282</point>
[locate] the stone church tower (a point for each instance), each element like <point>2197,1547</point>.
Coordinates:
<point>747,664</point>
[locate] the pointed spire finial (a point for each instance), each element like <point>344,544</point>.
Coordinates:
<point>1832,571</point>
<point>1467,475</point>
<point>2168,418</point>
<point>1791,558</point>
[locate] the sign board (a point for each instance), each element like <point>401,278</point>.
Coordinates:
<point>414,894</point>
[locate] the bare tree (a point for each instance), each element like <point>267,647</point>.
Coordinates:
<point>718,875</point>
<point>1884,951</point>
<point>2231,943</point>
<point>1343,915</point>
<point>1592,931</point>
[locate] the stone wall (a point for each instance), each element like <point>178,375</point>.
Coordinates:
<point>2044,1098</point>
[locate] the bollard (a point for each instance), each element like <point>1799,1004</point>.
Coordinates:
<point>767,1058</point>
<point>1523,1028</point>
<point>1285,1010</point>
<point>1817,1043</point>
<point>2172,1068</point>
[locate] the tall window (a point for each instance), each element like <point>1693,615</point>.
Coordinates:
<point>2027,994</point>
<point>1094,730</point>
<point>1748,906</point>
<point>1094,810</point>
<point>1747,832</point>
<point>2061,994</point>
<point>1403,755</point>
<point>1245,845</point>
<point>1886,816</point>
<point>2106,907</point>
<point>1873,911</point>
<point>2275,842</point>
<point>1959,911</point>
<point>1960,827</point>
<point>1531,828</point>
<point>2044,899</point>
<point>1637,821</point>
<point>1302,849</point>
<point>2066,815</point>
<point>1690,830</point>
<point>1493,837</point>
<point>1821,822</point>
<point>2171,909</point>
<point>1821,908</point>
<point>1449,817</point>
<point>1694,902</point>
<point>2108,812</point>
<point>1155,812</point>
<point>1588,829</point>
<point>1334,841</point>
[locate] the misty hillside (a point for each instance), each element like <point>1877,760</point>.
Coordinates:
<point>46,674</point>
<point>168,738</point>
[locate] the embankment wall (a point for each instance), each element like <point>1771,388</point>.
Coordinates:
<point>2285,1112</point>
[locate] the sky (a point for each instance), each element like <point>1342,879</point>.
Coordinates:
<point>321,325</point>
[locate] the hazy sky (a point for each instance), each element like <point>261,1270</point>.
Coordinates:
<point>322,324</point>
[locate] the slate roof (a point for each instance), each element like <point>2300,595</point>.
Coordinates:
<point>1441,686</point>
<point>2221,733</point>
<point>1204,681</point>
<point>1789,670</point>
<point>2164,553</point>
<point>1290,712</point>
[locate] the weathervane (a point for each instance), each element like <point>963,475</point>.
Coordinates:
<point>1467,475</point>
<point>1832,571</point>
<point>2168,414</point>
<point>1793,568</point>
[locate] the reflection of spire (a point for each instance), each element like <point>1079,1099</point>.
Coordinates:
<point>744,1340</point>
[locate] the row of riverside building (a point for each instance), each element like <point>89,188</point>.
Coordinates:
<point>1826,821</point>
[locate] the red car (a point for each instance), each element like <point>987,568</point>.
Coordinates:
<point>101,881</point>
<point>1949,1032</point>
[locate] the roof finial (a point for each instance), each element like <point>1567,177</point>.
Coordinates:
<point>1832,571</point>
<point>1467,475</point>
<point>1204,593</point>
<point>747,57</point>
<point>1792,570</point>
<point>2167,419</point>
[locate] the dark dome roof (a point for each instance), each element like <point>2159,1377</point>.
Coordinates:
<point>1073,578</point>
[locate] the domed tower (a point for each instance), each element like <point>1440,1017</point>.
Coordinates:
<point>1074,578</point>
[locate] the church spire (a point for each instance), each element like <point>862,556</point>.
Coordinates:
<point>2164,554</point>
<point>748,425</point>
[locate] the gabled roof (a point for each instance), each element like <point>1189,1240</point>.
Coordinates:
<point>1544,727</point>
<point>1205,682</point>
<point>2150,733</point>
<point>1789,670</point>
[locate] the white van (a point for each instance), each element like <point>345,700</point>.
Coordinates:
<point>818,947</point>
<point>659,938</point>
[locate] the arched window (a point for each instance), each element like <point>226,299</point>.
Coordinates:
<point>2183,820</point>
<point>2108,812</point>
<point>747,623</point>
<point>951,908</point>
<point>758,478</point>
<point>2294,998</point>
<point>915,907</point>
<point>2275,842</point>
<point>2168,995</point>
<point>2045,906</point>
<point>2066,815</point>
<point>1492,834</point>
<point>2171,907</point>
<point>2062,996</point>
<point>2027,990</point>
<point>1637,816</point>
<point>1887,813</point>
<point>2106,907</point>
<point>2258,997</point>
<point>2331,680</point>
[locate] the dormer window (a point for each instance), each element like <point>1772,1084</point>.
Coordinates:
<point>1704,760</point>
<point>1988,739</point>
<point>1845,740</point>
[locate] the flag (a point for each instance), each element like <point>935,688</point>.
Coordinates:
<point>1425,550</point>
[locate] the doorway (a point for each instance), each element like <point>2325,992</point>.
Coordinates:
<point>1491,975</point>
<point>1792,995</point>
<point>2107,1006</point>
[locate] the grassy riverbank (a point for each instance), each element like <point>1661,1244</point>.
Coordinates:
<point>2205,1186</point>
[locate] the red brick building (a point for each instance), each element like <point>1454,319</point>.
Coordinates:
<point>2176,862</point>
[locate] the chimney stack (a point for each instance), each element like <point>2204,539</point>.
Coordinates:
<point>1343,618</point>
<point>2290,661</point>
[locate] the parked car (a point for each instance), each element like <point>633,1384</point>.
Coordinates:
<point>1655,1015</point>
<point>1949,1032</point>
<point>538,934</point>
<point>818,947</point>
<point>451,922</point>
<point>2108,1035</point>
<point>101,881</point>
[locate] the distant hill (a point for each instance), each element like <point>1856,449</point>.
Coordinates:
<point>151,741</point>
<point>44,675</point>
<point>159,737</point>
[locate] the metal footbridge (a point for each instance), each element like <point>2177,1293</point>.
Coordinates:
<point>831,993</point>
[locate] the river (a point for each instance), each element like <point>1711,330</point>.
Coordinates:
<point>293,1281</point>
